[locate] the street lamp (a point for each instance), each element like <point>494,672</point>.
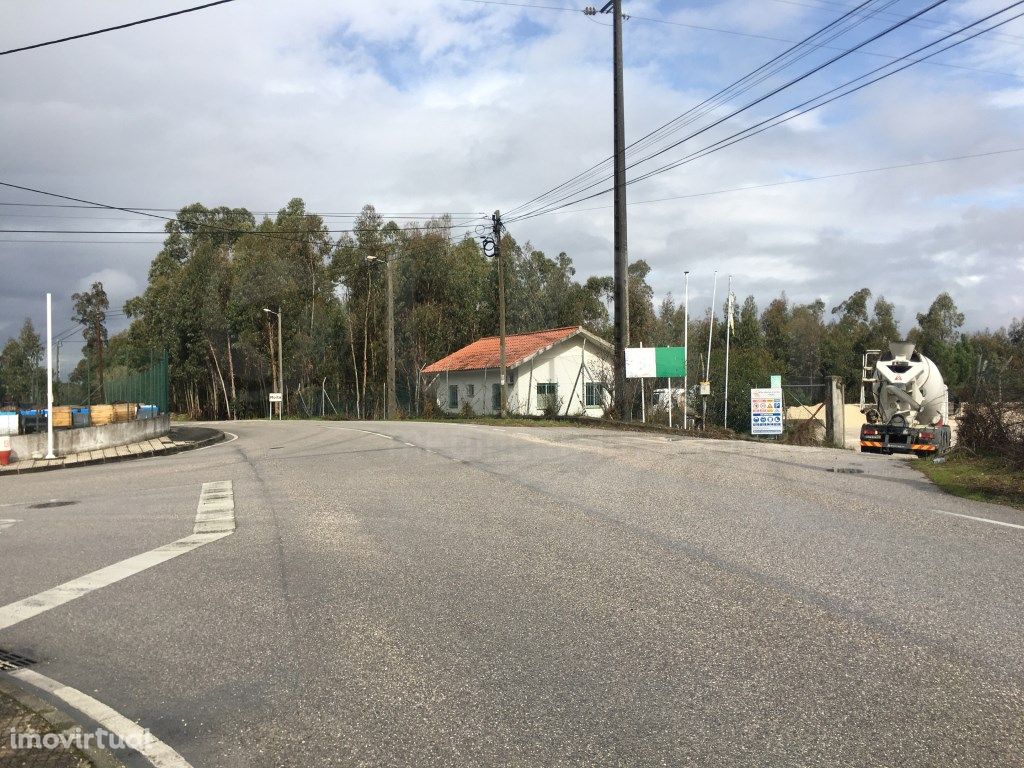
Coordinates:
<point>280,360</point>
<point>391,399</point>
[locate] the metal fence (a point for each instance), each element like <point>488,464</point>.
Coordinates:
<point>150,386</point>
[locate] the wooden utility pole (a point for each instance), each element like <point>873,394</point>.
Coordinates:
<point>621,250</point>
<point>503,380</point>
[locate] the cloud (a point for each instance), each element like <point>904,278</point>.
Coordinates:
<point>420,105</point>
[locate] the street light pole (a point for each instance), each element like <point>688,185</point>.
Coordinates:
<point>392,397</point>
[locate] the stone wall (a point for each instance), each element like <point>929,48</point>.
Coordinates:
<point>68,441</point>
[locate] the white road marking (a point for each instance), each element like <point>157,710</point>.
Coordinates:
<point>5,524</point>
<point>979,519</point>
<point>222,442</point>
<point>159,754</point>
<point>215,519</point>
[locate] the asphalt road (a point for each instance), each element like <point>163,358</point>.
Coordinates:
<point>463,595</point>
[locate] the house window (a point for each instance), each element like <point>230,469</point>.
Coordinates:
<point>495,397</point>
<point>470,391</point>
<point>594,395</point>
<point>547,395</point>
<point>453,396</point>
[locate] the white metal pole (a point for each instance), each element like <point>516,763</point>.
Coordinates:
<point>671,401</point>
<point>686,344</point>
<point>49,377</point>
<point>728,327</point>
<point>711,328</point>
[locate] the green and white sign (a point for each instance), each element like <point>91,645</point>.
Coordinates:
<point>655,362</point>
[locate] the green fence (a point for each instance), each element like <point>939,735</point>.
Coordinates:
<point>150,386</point>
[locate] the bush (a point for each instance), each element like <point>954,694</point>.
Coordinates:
<point>990,427</point>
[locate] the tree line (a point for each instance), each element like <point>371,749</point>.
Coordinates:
<point>220,268</point>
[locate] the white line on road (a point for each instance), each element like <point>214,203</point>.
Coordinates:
<point>4,524</point>
<point>979,519</point>
<point>149,746</point>
<point>215,519</point>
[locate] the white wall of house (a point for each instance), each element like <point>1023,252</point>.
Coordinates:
<point>569,366</point>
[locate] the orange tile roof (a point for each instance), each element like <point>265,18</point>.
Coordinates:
<point>484,353</point>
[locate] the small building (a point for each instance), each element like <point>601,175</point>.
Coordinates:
<point>562,371</point>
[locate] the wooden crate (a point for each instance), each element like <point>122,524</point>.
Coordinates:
<point>100,415</point>
<point>124,412</point>
<point>62,417</point>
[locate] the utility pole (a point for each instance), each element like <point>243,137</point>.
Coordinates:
<point>392,397</point>
<point>686,346</point>
<point>503,386</point>
<point>621,251</point>
<point>49,377</point>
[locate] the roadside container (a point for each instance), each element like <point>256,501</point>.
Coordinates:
<point>8,422</point>
<point>148,412</point>
<point>101,415</point>
<point>80,417</point>
<point>123,412</point>
<point>62,417</point>
<point>5,450</point>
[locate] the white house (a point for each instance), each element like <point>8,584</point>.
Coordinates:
<point>563,370</point>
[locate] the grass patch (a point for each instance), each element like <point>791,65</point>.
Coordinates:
<point>978,478</point>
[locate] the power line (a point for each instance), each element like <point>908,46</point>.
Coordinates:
<point>790,114</point>
<point>114,28</point>
<point>751,104</point>
<point>772,66</point>
<point>786,182</point>
<point>140,212</point>
<point>353,215</point>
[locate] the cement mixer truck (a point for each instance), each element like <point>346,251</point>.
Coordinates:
<point>905,401</point>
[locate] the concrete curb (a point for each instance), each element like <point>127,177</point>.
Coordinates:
<point>166,451</point>
<point>56,719</point>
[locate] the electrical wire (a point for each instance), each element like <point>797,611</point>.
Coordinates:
<point>790,114</point>
<point>743,84</point>
<point>787,182</point>
<point>114,28</point>
<point>751,104</point>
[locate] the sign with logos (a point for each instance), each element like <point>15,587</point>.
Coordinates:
<point>655,362</point>
<point>766,411</point>
<point>275,397</point>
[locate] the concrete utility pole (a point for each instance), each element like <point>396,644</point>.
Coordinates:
<point>503,385</point>
<point>621,250</point>
<point>392,397</point>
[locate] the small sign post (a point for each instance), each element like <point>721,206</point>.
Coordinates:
<point>766,411</point>
<point>277,397</point>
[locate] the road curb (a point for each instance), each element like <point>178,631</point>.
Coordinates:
<point>145,454</point>
<point>59,721</point>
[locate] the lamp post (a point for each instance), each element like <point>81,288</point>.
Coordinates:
<point>280,360</point>
<point>391,398</point>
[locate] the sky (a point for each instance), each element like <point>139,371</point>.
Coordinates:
<point>467,106</point>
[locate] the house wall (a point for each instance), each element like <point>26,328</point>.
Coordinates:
<point>560,365</point>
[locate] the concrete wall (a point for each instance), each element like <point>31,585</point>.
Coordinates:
<point>67,441</point>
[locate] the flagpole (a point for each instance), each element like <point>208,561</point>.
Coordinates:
<point>728,332</point>
<point>707,367</point>
<point>686,345</point>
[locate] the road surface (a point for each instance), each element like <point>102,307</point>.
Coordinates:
<point>444,594</point>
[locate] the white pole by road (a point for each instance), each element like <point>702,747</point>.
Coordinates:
<point>686,343</point>
<point>671,401</point>
<point>728,329</point>
<point>49,377</point>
